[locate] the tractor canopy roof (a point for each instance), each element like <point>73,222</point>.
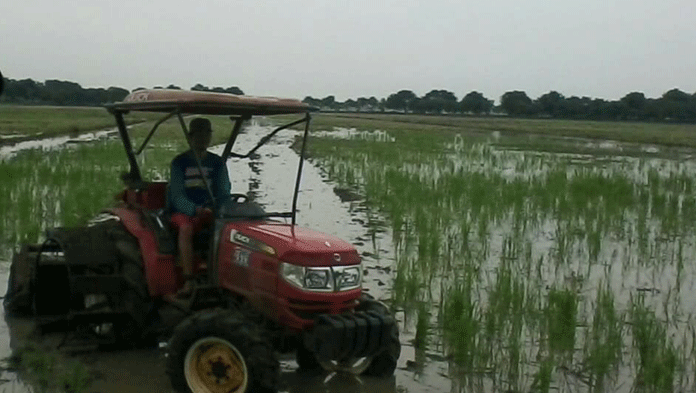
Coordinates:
<point>207,103</point>
<point>178,103</point>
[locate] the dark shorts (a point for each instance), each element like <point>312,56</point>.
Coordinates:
<point>196,223</point>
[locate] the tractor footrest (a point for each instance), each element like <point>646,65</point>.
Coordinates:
<point>101,283</point>
<point>203,296</point>
<point>82,317</point>
<point>349,336</point>
<point>66,322</point>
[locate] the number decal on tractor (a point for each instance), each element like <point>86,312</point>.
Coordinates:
<point>241,257</point>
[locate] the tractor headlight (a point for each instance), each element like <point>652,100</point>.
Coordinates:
<point>318,279</point>
<point>293,274</point>
<point>349,278</point>
<point>322,279</point>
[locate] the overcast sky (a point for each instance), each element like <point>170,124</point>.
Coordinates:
<point>596,48</point>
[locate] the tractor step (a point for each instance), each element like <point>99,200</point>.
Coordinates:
<point>102,283</point>
<point>71,320</point>
<point>203,296</point>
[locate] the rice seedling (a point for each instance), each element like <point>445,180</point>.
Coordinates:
<point>603,349</point>
<point>561,314</point>
<point>656,360</point>
<point>461,327</point>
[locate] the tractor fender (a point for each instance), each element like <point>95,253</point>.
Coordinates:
<point>160,270</point>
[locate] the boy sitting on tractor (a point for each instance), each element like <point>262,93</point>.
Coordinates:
<point>191,204</point>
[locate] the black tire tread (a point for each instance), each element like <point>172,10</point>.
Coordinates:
<point>262,364</point>
<point>135,299</point>
<point>383,363</point>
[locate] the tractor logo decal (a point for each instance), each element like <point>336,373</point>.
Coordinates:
<point>240,238</point>
<point>256,245</point>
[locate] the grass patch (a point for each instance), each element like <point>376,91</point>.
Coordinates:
<point>634,132</point>
<point>46,372</point>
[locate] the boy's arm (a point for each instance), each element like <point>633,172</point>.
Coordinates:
<point>177,192</point>
<point>224,187</point>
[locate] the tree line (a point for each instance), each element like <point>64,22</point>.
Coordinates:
<point>64,93</point>
<point>674,105</point>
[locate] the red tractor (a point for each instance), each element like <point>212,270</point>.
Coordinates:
<point>264,285</point>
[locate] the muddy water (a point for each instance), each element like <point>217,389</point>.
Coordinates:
<point>9,151</point>
<point>270,178</point>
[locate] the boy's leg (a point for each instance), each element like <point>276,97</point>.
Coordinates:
<point>186,228</point>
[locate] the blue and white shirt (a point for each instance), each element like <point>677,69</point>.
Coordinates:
<point>187,189</point>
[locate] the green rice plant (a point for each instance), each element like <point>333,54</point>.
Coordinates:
<point>76,378</point>
<point>462,327</point>
<point>541,382</point>
<point>657,358</point>
<point>407,288</point>
<point>561,314</point>
<point>602,352</point>
<point>422,327</point>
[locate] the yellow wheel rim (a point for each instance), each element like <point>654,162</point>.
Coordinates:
<point>213,365</point>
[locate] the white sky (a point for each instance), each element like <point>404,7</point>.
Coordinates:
<point>597,48</point>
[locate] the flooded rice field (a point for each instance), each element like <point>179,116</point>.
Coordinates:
<point>510,269</point>
<point>535,271</point>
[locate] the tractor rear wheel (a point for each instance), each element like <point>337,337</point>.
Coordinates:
<point>134,299</point>
<point>219,351</point>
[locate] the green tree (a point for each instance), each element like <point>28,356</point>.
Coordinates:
<point>200,87</point>
<point>551,103</point>
<point>474,102</point>
<point>403,100</point>
<point>115,94</point>
<point>635,105</point>
<point>437,101</point>
<point>516,103</point>
<point>309,100</point>
<point>328,102</point>
<point>234,90</point>
<point>675,105</point>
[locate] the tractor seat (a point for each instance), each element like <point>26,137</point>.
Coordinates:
<point>151,196</point>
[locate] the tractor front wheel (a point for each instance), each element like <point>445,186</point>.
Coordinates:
<point>383,363</point>
<point>219,351</point>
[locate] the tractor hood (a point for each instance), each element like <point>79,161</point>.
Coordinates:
<point>297,245</point>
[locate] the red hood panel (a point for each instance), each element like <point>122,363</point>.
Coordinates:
<point>301,245</point>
